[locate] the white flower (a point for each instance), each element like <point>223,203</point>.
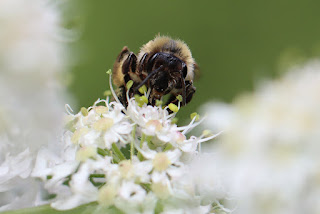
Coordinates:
<point>19,165</point>
<point>147,206</point>
<point>83,191</point>
<point>208,178</point>
<point>269,151</point>
<point>141,115</point>
<point>154,121</point>
<point>187,210</point>
<point>161,161</point>
<point>166,168</point>
<point>132,193</point>
<point>31,106</point>
<point>94,166</point>
<point>103,125</point>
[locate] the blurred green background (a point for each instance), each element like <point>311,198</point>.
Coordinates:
<point>234,42</point>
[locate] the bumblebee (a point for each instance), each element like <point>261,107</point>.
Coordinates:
<point>164,66</point>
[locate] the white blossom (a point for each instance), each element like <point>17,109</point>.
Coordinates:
<point>269,152</point>
<point>96,169</point>
<point>106,124</point>
<point>31,107</point>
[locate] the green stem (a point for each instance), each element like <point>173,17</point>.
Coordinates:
<point>168,147</point>
<point>143,137</point>
<point>86,208</point>
<point>97,175</point>
<point>150,144</point>
<point>147,187</point>
<point>117,152</point>
<point>132,142</point>
<point>96,184</point>
<point>115,158</point>
<point>103,152</point>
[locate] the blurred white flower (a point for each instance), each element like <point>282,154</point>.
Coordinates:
<point>187,210</point>
<point>31,58</point>
<point>269,152</point>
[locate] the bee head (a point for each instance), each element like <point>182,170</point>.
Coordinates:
<point>170,72</point>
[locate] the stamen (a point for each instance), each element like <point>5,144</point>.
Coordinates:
<point>68,109</point>
<point>121,138</point>
<point>84,111</point>
<point>143,89</point>
<point>107,93</point>
<point>209,138</point>
<point>128,86</point>
<point>196,115</point>
<point>174,120</point>
<point>173,107</point>
<point>159,102</point>
<point>111,88</point>
<point>191,125</point>
<point>179,98</point>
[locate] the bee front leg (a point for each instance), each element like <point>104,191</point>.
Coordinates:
<point>129,67</point>
<point>121,93</point>
<point>190,90</point>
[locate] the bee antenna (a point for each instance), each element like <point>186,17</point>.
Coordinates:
<point>148,77</point>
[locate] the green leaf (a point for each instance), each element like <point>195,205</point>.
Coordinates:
<point>84,209</point>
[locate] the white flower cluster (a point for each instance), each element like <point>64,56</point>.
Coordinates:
<point>270,148</point>
<point>30,106</point>
<point>134,160</point>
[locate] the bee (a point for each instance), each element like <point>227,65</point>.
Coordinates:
<point>163,65</point>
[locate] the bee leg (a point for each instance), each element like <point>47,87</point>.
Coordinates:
<point>129,67</point>
<point>190,90</point>
<point>121,93</point>
<point>142,63</point>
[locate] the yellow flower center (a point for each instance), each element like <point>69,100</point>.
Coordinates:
<point>161,190</point>
<point>161,161</point>
<point>101,109</point>
<point>86,152</point>
<point>125,168</point>
<point>154,123</point>
<point>107,195</point>
<point>78,133</point>
<point>103,124</point>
